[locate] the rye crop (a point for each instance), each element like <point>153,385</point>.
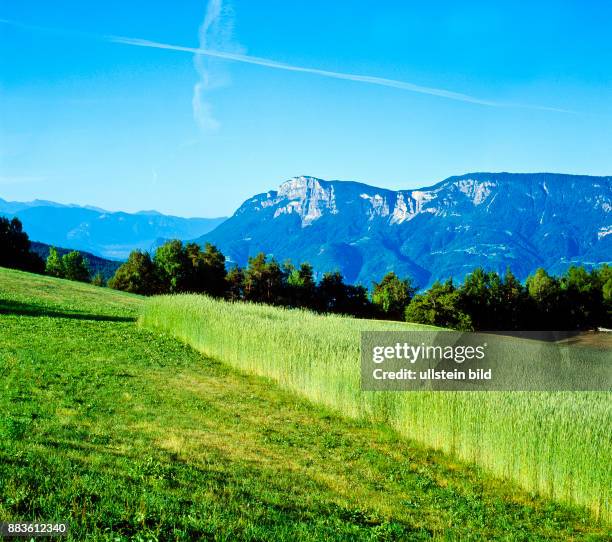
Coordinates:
<point>558,444</point>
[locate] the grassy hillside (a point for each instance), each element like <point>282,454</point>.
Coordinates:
<point>128,434</point>
<point>558,444</point>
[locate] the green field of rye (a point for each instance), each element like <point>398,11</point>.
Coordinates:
<point>558,444</point>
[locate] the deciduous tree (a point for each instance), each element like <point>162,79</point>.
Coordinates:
<point>439,306</point>
<point>138,275</point>
<point>392,295</point>
<point>55,264</point>
<point>76,267</point>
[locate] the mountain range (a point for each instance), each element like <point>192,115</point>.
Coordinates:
<point>107,234</point>
<point>520,221</point>
<point>494,220</point>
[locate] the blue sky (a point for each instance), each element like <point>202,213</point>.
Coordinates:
<point>89,119</point>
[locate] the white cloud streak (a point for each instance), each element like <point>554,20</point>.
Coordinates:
<point>369,79</point>
<point>215,40</point>
<point>202,111</point>
<point>215,32</point>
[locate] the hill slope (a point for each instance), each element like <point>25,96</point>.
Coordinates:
<point>127,434</point>
<point>495,220</point>
<point>103,233</point>
<point>95,264</point>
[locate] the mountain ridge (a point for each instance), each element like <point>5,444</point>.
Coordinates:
<point>106,234</point>
<point>494,220</point>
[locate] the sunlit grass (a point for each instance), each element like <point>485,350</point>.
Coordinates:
<point>558,444</point>
<point>128,434</point>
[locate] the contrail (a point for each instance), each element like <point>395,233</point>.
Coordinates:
<point>381,81</point>
<point>247,59</point>
<point>202,110</point>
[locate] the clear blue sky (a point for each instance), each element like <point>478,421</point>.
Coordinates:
<point>86,119</point>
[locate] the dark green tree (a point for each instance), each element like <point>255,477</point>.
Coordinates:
<point>235,284</point>
<point>263,280</point>
<point>392,295</point>
<point>15,248</point>
<point>76,267</point>
<point>208,270</point>
<point>582,299</point>
<point>439,306</point>
<point>544,295</point>
<point>333,295</point>
<point>357,302</point>
<point>301,286</point>
<point>138,275</point>
<point>605,280</point>
<point>477,298</point>
<point>174,267</point>
<point>513,302</point>
<point>493,303</point>
<point>55,264</point>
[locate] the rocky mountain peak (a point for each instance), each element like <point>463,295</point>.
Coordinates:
<point>308,197</point>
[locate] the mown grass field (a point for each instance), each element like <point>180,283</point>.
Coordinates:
<point>556,443</point>
<point>128,434</point>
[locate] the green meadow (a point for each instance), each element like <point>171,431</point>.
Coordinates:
<point>112,424</point>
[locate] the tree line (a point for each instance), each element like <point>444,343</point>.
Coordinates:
<point>484,301</point>
<point>177,268</point>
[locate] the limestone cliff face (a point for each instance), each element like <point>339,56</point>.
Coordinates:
<point>306,197</point>
<point>311,198</point>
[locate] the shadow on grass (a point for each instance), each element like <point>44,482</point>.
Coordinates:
<point>31,309</point>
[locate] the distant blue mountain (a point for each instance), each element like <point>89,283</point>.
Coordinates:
<point>103,233</point>
<point>494,220</point>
